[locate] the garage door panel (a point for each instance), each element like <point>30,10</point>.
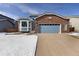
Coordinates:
<point>49,28</point>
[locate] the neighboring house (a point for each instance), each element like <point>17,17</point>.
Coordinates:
<point>74,21</point>
<point>33,18</point>
<point>50,23</point>
<point>6,23</point>
<point>25,24</point>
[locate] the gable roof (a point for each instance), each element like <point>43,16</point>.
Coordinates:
<point>65,18</point>
<point>3,18</point>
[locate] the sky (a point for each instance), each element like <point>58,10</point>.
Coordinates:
<point>16,10</point>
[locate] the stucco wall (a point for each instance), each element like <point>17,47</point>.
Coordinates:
<point>75,22</point>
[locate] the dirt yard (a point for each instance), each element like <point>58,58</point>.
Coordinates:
<point>57,45</point>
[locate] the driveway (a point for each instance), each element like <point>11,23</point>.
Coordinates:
<point>57,45</point>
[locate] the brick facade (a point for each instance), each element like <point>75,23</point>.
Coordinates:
<point>51,19</point>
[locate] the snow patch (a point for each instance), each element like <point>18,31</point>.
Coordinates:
<point>74,34</point>
<point>17,45</point>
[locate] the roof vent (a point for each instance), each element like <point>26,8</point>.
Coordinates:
<point>49,17</point>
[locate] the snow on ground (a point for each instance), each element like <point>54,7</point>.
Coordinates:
<point>74,34</point>
<point>17,45</point>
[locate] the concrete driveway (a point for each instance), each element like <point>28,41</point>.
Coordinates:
<point>57,45</point>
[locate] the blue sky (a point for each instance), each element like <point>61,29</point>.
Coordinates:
<point>25,9</point>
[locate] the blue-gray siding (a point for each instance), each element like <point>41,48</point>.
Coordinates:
<point>5,25</point>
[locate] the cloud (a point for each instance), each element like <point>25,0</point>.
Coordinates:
<point>27,9</point>
<point>9,15</point>
<point>6,12</point>
<point>24,9</point>
<point>5,5</point>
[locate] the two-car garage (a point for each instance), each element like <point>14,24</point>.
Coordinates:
<point>50,23</point>
<point>50,28</point>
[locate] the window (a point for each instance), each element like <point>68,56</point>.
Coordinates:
<point>24,24</point>
<point>29,24</point>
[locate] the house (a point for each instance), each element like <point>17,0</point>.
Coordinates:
<point>51,23</point>
<point>25,24</point>
<point>7,24</point>
<point>45,23</point>
<point>74,21</point>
